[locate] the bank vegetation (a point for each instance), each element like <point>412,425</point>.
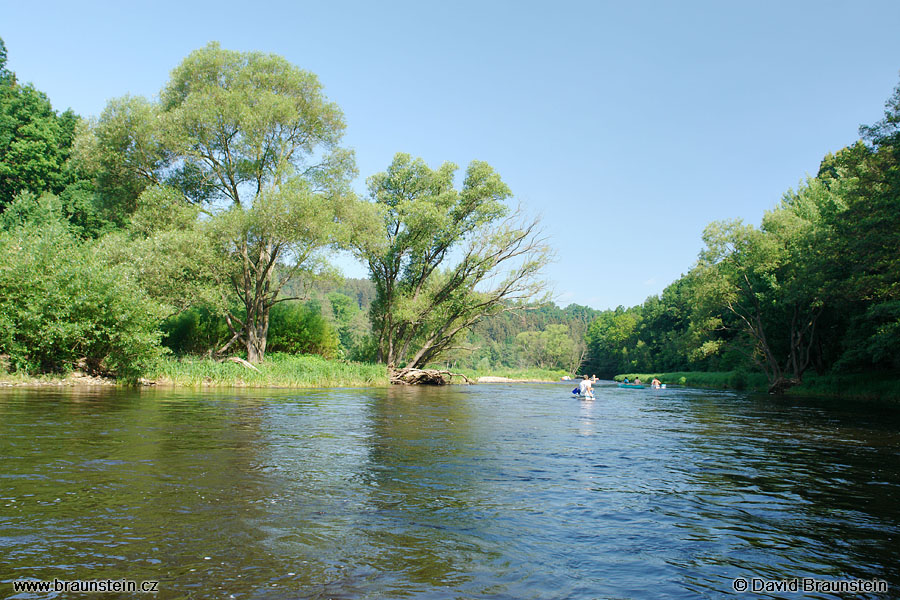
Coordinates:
<point>166,237</point>
<point>809,299</point>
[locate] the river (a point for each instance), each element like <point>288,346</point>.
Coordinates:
<point>488,491</point>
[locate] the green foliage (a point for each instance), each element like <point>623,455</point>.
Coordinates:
<point>352,325</point>
<point>79,205</point>
<point>878,386</point>
<point>816,286</point>
<point>35,142</point>
<point>863,270</point>
<point>5,75</point>
<point>416,221</point>
<point>31,156</point>
<point>250,142</point>
<point>739,379</point>
<point>610,339</point>
<point>768,287</point>
<point>254,135</point>
<point>59,304</point>
<point>35,146</point>
<point>872,385</point>
<point>214,203</point>
<point>491,344</point>
<point>872,338</point>
<point>295,328</point>
<point>550,348</point>
<point>122,154</point>
<point>300,328</point>
<point>197,330</point>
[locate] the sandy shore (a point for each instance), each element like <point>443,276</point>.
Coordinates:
<point>490,379</point>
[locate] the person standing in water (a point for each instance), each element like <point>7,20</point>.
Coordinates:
<point>585,387</point>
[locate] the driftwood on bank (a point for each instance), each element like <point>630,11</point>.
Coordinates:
<point>241,362</point>
<point>423,377</point>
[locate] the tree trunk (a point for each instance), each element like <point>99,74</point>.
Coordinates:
<point>257,335</point>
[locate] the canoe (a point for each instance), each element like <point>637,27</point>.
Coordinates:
<point>636,386</point>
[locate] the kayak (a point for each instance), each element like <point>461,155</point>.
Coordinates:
<point>636,386</point>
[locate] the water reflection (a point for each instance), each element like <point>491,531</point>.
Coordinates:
<point>771,477</point>
<point>419,445</point>
<point>482,491</point>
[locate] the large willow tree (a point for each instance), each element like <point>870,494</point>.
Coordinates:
<point>251,142</point>
<point>443,258</point>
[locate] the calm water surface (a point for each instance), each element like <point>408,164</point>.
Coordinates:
<point>488,491</point>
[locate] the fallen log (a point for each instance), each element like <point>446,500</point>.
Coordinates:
<point>241,362</point>
<point>423,377</point>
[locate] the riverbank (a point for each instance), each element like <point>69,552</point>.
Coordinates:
<point>74,379</point>
<point>277,371</point>
<point>880,387</point>
<point>516,375</point>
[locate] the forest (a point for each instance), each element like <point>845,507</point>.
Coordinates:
<point>814,288</point>
<point>200,224</point>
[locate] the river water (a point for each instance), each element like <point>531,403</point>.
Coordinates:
<point>487,491</point>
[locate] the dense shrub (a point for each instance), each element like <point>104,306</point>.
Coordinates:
<point>196,330</point>
<point>59,304</point>
<point>300,328</point>
<point>294,328</point>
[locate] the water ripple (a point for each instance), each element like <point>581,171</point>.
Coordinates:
<point>487,491</point>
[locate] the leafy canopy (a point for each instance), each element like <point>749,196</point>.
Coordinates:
<point>419,224</point>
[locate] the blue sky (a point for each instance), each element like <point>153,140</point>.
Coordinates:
<point>628,126</point>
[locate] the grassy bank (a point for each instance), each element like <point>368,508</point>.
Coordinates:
<point>856,386</point>
<point>723,380</point>
<point>278,370</point>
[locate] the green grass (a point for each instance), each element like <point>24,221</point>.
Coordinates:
<point>856,386</point>
<point>737,380</point>
<point>277,370</point>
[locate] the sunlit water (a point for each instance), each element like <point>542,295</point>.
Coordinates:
<point>488,491</point>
